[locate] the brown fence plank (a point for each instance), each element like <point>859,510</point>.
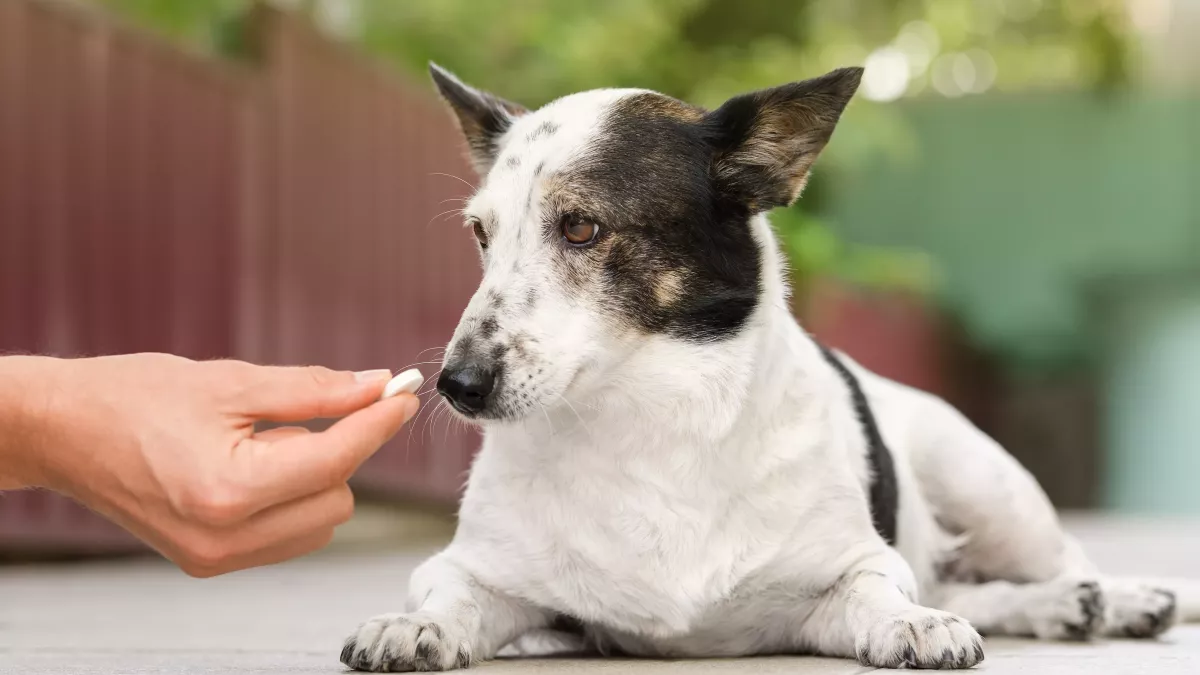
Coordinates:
<point>17,287</point>
<point>369,274</point>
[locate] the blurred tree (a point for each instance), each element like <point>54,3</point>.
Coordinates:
<point>707,50</point>
<point>194,22</point>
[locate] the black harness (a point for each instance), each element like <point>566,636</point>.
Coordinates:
<point>884,491</point>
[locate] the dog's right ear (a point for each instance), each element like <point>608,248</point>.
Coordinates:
<point>765,142</point>
<point>482,117</point>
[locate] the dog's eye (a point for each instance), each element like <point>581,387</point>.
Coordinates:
<point>579,231</point>
<point>477,227</point>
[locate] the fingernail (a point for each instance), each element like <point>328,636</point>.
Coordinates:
<point>373,375</point>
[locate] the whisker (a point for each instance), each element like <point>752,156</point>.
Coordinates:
<point>579,417</point>
<point>553,432</point>
<point>429,349</point>
<point>412,426</point>
<point>462,425</point>
<point>448,418</point>
<point>418,363</point>
<point>430,421</point>
<point>443,213</point>
<point>447,175</point>
<point>430,384</point>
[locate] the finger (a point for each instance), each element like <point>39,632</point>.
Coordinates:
<point>288,550</point>
<point>269,536</point>
<point>301,465</point>
<point>276,554</point>
<point>280,433</point>
<point>281,533</point>
<point>282,394</point>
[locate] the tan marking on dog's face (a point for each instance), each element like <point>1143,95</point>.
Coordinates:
<point>668,287</point>
<point>659,106</point>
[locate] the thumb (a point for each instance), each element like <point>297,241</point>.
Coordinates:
<point>289,466</point>
<point>282,394</point>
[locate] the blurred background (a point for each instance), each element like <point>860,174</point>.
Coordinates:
<point>1009,214</point>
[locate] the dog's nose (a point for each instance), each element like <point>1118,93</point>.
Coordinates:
<point>466,387</point>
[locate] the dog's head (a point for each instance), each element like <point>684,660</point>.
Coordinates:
<point>612,217</point>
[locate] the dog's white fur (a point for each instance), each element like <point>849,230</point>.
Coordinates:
<point>710,500</point>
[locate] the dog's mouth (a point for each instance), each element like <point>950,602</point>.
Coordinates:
<point>460,408</point>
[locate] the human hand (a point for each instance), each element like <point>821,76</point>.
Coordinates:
<point>167,448</point>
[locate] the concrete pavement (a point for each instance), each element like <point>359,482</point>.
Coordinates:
<point>144,617</point>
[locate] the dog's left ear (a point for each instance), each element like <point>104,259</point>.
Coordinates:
<point>482,117</point>
<point>766,142</point>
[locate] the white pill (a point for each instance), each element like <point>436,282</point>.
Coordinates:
<point>408,381</point>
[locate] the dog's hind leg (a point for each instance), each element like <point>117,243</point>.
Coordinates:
<point>1065,608</point>
<point>1062,609</point>
<point>1037,579</point>
<point>1010,530</point>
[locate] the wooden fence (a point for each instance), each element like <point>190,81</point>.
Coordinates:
<point>285,211</point>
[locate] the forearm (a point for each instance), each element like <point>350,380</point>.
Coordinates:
<point>25,391</point>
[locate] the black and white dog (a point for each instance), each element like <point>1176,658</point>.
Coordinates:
<point>671,466</point>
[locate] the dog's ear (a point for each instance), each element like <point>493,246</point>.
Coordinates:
<point>482,117</point>
<point>766,141</point>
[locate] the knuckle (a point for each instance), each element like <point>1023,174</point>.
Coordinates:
<point>216,506</point>
<point>199,572</point>
<point>239,376</point>
<point>205,556</point>
<point>323,540</point>
<point>338,469</point>
<point>343,505</point>
<point>320,375</point>
<point>168,360</point>
<point>237,370</point>
<point>331,468</point>
<point>230,382</point>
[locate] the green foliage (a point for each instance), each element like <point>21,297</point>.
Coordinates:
<point>193,21</point>
<point>815,251</point>
<point>704,51</point>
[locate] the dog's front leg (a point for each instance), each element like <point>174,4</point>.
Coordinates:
<point>452,622</point>
<point>890,630</point>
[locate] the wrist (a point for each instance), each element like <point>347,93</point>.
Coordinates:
<point>27,392</point>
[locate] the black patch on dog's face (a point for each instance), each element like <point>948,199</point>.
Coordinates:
<point>487,328</point>
<point>673,189</point>
<point>673,255</point>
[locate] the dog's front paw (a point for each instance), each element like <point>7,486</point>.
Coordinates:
<point>920,638</point>
<point>401,643</point>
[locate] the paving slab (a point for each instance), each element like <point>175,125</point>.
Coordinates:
<point>144,617</point>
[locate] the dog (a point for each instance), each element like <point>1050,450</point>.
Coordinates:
<point>671,467</point>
